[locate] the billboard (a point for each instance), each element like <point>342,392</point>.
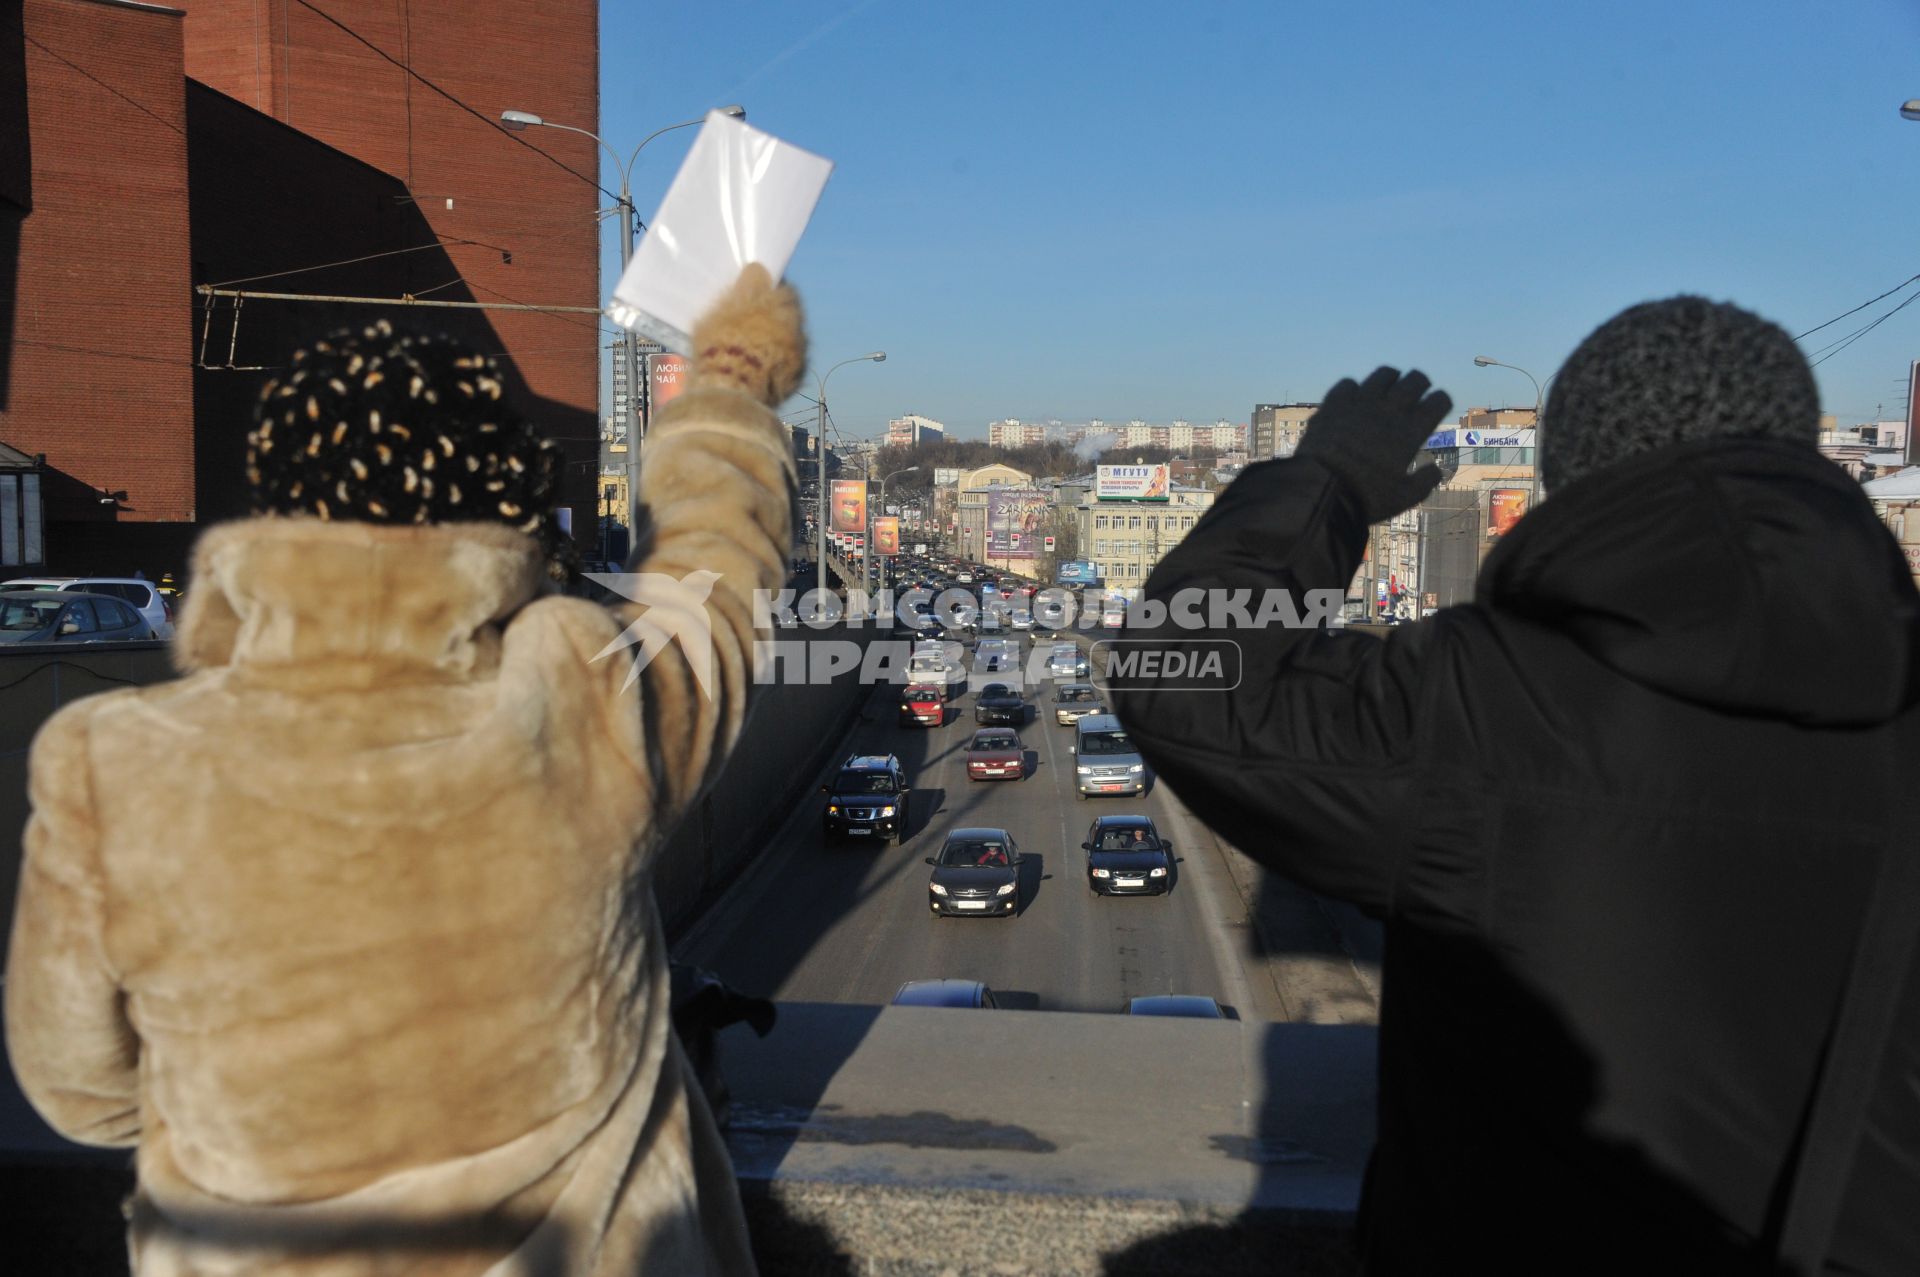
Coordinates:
<point>1504,508</point>
<point>886,536</point>
<point>1076,572</point>
<point>1132,483</point>
<point>1014,517</point>
<point>1496,438</point>
<point>666,378</point>
<point>945,478</point>
<point>849,505</point>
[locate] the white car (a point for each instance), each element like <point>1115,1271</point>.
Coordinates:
<point>1022,619</point>
<point>138,593</point>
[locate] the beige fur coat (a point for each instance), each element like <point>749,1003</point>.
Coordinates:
<point>348,931</point>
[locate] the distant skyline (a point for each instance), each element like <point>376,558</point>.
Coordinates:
<point>1114,210</point>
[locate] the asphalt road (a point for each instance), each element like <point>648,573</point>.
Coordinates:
<point>849,923</point>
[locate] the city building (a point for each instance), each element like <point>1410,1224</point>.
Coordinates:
<point>150,150</point>
<point>977,493</point>
<point>1276,428</point>
<point>904,432</point>
<point>1124,539</point>
<point>1865,452</point>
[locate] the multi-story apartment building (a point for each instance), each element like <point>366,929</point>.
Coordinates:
<point>904,432</point>
<point>1276,429</point>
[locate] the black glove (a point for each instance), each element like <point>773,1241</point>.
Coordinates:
<point>1369,433</point>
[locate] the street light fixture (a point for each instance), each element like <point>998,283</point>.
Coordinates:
<point>822,512</point>
<point>515,121</point>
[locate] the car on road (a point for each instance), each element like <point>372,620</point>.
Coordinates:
<point>1022,618</point>
<point>944,993</point>
<point>1127,857</point>
<point>1068,660</point>
<point>999,703</point>
<point>923,705</point>
<point>146,598</point>
<point>867,799</point>
<point>60,616</point>
<point>1075,701</point>
<point>994,655</point>
<point>933,664</point>
<point>976,872</point>
<point>1191,1006</point>
<point>995,753</point>
<point>1106,761</point>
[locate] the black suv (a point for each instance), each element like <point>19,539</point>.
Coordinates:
<point>867,799</point>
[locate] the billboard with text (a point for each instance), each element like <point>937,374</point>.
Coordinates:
<point>886,536</point>
<point>1014,519</point>
<point>1132,483</point>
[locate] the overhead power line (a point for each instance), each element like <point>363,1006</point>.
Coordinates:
<point>1862,306</point>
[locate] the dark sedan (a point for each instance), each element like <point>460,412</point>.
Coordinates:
<point>995,753</point>
<point>977,872</point>
<point>1127,857</point>
<point>998,703</point>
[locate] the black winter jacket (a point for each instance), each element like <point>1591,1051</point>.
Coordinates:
<point>1620,815</point>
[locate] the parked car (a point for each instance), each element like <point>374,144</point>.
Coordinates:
<point>867,799</point>
<point>924,705</point>
<point>63,616</point>
<point>999,703</point>
<point>976,872</point>
<point>1075,701</point>
<point>145,597</point>
<point>1126,856</point>
<point>995,753</point>
<point>1193,1006</point>
<point>944,993</point>
<point>1068,660</point>
<point>1106,760</point>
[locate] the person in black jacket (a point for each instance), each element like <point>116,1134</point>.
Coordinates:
<point>1623,815</point>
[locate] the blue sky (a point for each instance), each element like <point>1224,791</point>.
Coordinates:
<point>1073,209</point>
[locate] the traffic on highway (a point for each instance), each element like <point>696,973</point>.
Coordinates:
<point>988,822</point>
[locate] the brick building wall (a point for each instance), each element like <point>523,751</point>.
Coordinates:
<point>97,376</point>
<point>484,194</point>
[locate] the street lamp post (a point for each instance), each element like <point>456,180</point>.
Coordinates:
<point>823,506</point>
<point>630,356</point>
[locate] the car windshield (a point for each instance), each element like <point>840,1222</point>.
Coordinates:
<point>923,693</point>
<point>28,614</point>
<point>1127,838</point>
<point>1078,695</point>
<point>1001,740</point>
<point>1106,743</point>
<point>974,852</point>
<point>860,782</point>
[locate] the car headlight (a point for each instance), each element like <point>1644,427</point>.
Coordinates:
<point>1161,872</point>
<point>1006,889</point>
<point>1101,873</point>
<point>833,809</point>
<point>886,811</point>
<point>1083,771</point>
<point>936,889</point>
<point>1138,767</point>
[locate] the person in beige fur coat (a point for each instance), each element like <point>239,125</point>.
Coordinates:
<point>391,996</point>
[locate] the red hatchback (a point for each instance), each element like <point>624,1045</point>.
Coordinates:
<point>924,705</point>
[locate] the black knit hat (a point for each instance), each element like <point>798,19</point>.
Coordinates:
<point>1674,371</point>
<point>381,426</point>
